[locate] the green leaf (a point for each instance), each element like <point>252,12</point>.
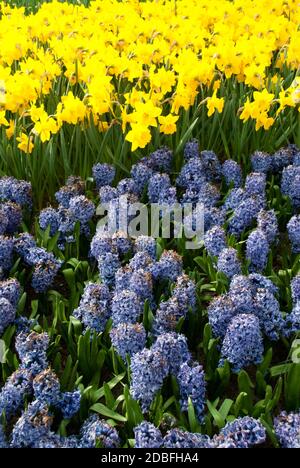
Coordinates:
<point>218,419</point>
<point>105,411</point>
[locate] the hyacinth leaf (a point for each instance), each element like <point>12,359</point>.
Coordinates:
<point>217,416</point>
<point>105,411</point>
<point>292,388</point>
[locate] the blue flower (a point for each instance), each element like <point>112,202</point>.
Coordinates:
<point>107,194</point>
<point>191,150</point>
<point>6,252</point>
<point>13,213</point>
<point>221,310</point>
<point>17,191</point>
<point>258,281</point>
<point>282,158</point>
<point>232,173</point>
<point>149,367</point>
<point>257,250</point>
<point>287,429</point>
<point>46,388</point>
<point>267,309</point>
<point>44,274</point>
<point>95,430</point>
<point>146,244</point>
<point>243,344</point>
<point>128,338</point>
<point>146,435</point>
<point>69,403</point>
<point>161,160</point>
<point>241,433</point>
<point>241,294</point>
<point>108,264</point>
<point>192,174</point>
<point>245,214</point>
<point>94,307</point>
<point>292,323</point>
<point>255,184</point>
<point>176,438</point>
<point>185,293</point>
<point>23,243</point>
<point>167,316</point>
<point>141,175</point>
<point>31,349</point>
<point>228,262</point>
<point>103,174</point>
<point>127,186</point>
<point>14,392</point>
<point>81,209</point>
<point>34,425</point>
<point>169,266</point>
<point>49,217</point>
<point>215,241</point>
<point>3,222</point>
<point>10,289</point>
<point>141,261</point>
<point>140,282</point>
<point>101,244</point>
<point>73,188</point>
<point>290,184</point>
<point>293,228</point>
<point>191,380</point>
<point>261,162</point>
<point>126,307</point>
<point>267,223</point>
<point>211,165</point>
<point>207,194</point>
<point>7,314</point>
<point>121,243</point>
<point>213,217</point>
<point>174,348</point>
<point>295,287</point>
<point>234,198</point>
<point>158,184</point>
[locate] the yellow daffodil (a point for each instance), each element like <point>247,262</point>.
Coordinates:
<point>168,124</point>
<point>214,103</point>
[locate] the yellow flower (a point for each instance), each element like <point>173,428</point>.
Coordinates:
<point>285,100</point>
<point>168,123</point>
<point>45,127</point>
<point>71,110</point>
<point>11,129</point>
<point>3,120</point>
<point>214,103</point>
<point>263,120</point>
<point>139,136</point>
<point>146,113</point>
<point>25,143</point>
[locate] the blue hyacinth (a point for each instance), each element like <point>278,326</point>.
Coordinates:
<point>14,392</point>
<point>46,388</point>
<point>191,380</point>
<point>146,244</point>
<point>215,241</point>
<point>243,344</point>
<point>174,348</point>
<point>228,262</point>
<point>103,174</point>
<point>176,439</point>
<point>267,223</point>
<point>141,175</point>
<point>128,339</point>
<point>169,266</point>
<point>158,185</point>
<point>146,435</point>
<point>126,307</point>
<point>13,213</point>
<point>257,250</point>
<point>191,150</point>
<point>108,265</point>
<point>261,162</point>
<point>241,433</point>
<point>287,429</point>
<point>7,314</point>
<point>69,403</point>
<point>49,217</point>
<point>293,229</point>
<point>232,173</point>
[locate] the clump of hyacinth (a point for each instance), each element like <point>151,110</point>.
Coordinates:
<point>128,339</point>
<point>295,288</point>
<point>192,174</point>
<point>255,184</point>
<point>191,150</point>
<point>229,263</point>
<point>283,158</point>
<point>240,433</point>
<point>96,431</point>
<point>206,194</point>
<point>73,188</point>
<point>232,173</point>
<point>10,289</point>
<point>245,214</point>
<point>221,310</point>
<point>148,368</point>
<point>126,186</point>
<point>126,307</point>
<point>191,381</point>
<point>46,388</point>
<point>167,316</point>
<point>290,184</point>
<point>211,165</point>
<point>16,191</point>
<point>107,194</point>
<point>293,229</point>
<point>103,174</point>
<point>267,309</point>
<point>174,348</point>
<point>49,217</point>
<point>108,265</point>
<point>160,160</point>
<point>215,241</point>
<point>44,274</point>
<point>140,261</point>
<point>292,324</point>
<point>81,209</point>
<point>94,307</point>
<point>31,349</point>
<point>13,214</point>
<point>158,185</point>
<point>101,244</point>
<point>146,244</point>
<point>122,243</point>
<point>287,429</point>
<point>22,243</point>
<point>169,266</point>
<point>241,294</point>
<point>7,314</point>
<point>141,175</point>
<point>14,392</point>
<point>243,343</point>
<point>33,426</point>
<point>234,198</point>
<point>176,438</point>
<point>69,403</point>
<point>146,435</point>
<point>185,293</point>
<point>257,250</point>
<point>261,162</point>
<point>267,223</point>
<point>6,252</point>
